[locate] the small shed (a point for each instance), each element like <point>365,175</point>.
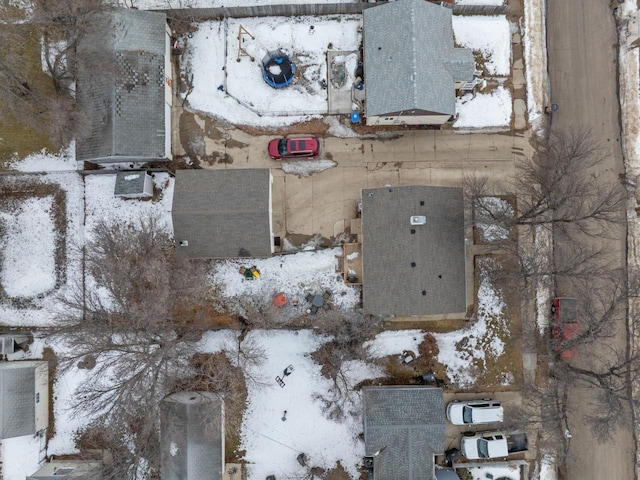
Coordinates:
<point>24,398</point>
<point>192,436</point>
<point>12,341</point>
<point>134,185</point>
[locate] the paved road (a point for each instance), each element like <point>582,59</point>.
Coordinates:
<point>581,41</point>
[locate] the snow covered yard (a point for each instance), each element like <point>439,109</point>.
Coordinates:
<point>469,353</point>
<point>282,422</point>
<point>229,85</point>
<point>212,57</point>
<point>295,275</point>
<point>490,39</point>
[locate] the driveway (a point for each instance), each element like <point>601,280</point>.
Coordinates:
<point>323,203</point>
<point>581,40</point>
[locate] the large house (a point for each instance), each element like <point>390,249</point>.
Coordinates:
<point>124,90</point>
<point>411,66</point>
<point>24,398</point>
<point>403,431</point>
<point>413,252</point>
<point>223,213</point>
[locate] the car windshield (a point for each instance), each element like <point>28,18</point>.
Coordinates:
<point>466,415</point>
<point>483,448</point>
<point>282,146</point>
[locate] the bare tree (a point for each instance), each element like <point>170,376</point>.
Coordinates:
<point>559,186</point>
<point>131,325</point>
<point>347,335</point>
<point>54,28</point>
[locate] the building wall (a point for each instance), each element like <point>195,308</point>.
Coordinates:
<point>408,120</point>
<point>168,93</point>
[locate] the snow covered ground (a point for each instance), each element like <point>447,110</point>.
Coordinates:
<point>488,34</point>
<point>465,351</point>
<point>211,57</point>
<point>235,90</point>
<point>167,4</point>
<point>484,110</point>
<point>534,36</point>
<point>296,275</point>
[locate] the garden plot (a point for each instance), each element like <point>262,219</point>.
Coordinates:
<point>227,84</point>
<point>28,248</point>
<point>41,231</point>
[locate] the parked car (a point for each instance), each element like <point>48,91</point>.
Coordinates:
<point>474,412</point>
<point>297,147</point>
<point>476,445</point>
<point>565,327</point>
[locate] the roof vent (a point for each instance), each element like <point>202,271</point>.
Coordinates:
<point>418,220</point>
<point>184,243</point>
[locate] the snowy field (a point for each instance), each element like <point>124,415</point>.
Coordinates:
<point>247,98</point>
<point>236,92</point>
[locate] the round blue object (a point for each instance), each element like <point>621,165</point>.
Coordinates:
<point>355,117</point>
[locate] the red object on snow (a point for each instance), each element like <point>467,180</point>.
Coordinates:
<point>280,300</point>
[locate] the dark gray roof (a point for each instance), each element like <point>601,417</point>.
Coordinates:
<point>129,183</point>
<point>222,213</point>
<point>192,436</point>
<point>120,87</point>
<point>17,399</point>
<point>405,427</point>
<point>69,470</point>
<point>409,58</point>
<point>391,286</point>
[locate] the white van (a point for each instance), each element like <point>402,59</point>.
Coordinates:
<point>475,412</point>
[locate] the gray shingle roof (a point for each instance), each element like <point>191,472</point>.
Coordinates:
<point>406,426</point>
<point>129,183</point>
<point>192,436</point>
<point>409,59</point>
<point>17,399</point>
<point>120,88</point>
<point>222,213</point>
<point>391,285</point>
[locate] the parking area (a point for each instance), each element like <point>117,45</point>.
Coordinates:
<point>322,203</point>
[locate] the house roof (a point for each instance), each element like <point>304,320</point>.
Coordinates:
<point>17,398</point>
<point>403,430</point>
<point>68,470</point>
<point>129,183</point>
<point>222,213</point>
<point>120,87</point>
<point>391,285</point>
<point>410,62</point>
<point>192,436</point>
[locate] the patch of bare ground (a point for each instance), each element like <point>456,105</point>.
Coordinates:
<point>52,363</point>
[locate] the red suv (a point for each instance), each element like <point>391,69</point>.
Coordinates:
<point>565,326</point>
<point>293,147</point>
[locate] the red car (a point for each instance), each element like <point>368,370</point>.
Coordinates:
<point>300,147</point>
<point>565,326</point>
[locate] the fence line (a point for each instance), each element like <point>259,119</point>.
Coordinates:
<point>311,9</point>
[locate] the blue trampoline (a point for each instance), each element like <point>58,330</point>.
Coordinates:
<point>277,69</point>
